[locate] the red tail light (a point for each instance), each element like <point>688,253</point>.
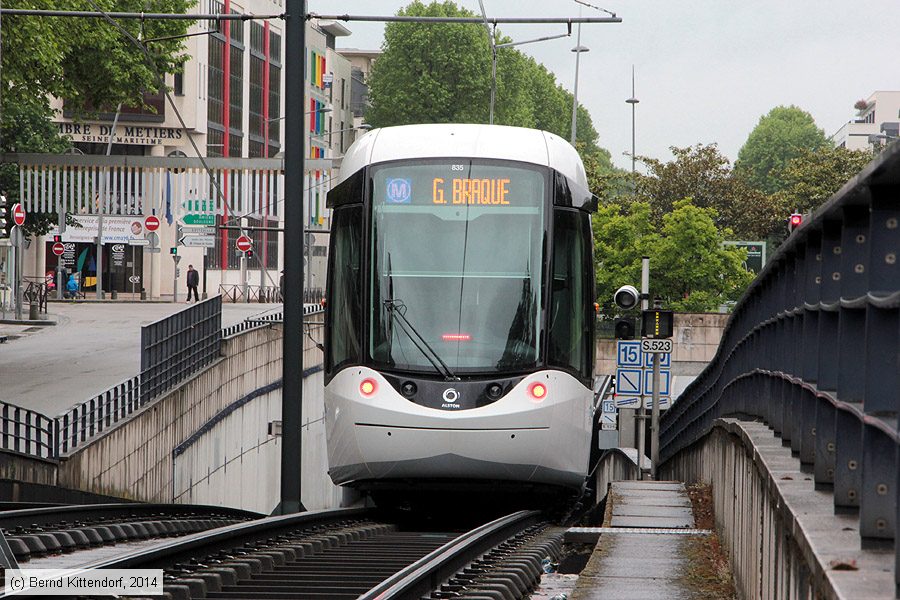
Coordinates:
<point>368,387</point>
<point>537,391</point>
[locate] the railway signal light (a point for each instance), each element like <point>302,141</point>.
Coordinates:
<point>624,329</point>
<point>794,221</point>
<point>626,297</point>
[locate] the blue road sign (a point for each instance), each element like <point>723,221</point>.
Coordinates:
<point>628,382</point>
<point>628,353</point>
<point>665,378</point>
<point>627,402</point>
<point>608,406</point>
<point>664,402</point>
<point>665,360</point>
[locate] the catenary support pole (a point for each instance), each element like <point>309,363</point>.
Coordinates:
<point>292,341</point>
<point>641,411</point>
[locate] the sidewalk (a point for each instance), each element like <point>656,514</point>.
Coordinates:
<point>645,548</point>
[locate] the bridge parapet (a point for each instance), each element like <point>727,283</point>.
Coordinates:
<point>812,349</point>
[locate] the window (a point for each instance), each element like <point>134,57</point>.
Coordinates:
<point>179,83</point>
<point>570,339</point>
<point>466,274</point>
<point>344,300</point>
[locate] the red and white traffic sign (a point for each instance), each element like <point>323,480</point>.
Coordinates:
<point>244,244</point>
<point>151,223</point>
<point>58,248</point>
<point>18,214</point>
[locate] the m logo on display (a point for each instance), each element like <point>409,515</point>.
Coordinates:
<point>399,191</point>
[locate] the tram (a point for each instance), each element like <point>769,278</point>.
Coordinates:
<point>459,311</point>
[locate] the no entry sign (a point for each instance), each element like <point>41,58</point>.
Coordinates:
<point>151,223</point>
<point>58,248</point>
<point>18,214</point>
<point>244,244</point>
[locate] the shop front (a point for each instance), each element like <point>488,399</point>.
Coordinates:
<point>122,264</point>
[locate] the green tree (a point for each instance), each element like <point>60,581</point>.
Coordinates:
<point>432,73</point>
<point>778,137</point>
<point>813,177</point>
<point>702,173</point>
<point>88,62</point>
<point>690,267</point>
<point>622,235</point>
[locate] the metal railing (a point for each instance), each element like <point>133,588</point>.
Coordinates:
<point>92,417</point>
<point>812,349</point>
<point>35,291</point>
<point>174,348</point>
<point>26,431</point>
<point>236,292</point>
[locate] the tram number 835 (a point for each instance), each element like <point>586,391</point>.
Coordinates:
<point>653,346</point>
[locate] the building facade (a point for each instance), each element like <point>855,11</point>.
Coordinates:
<point>230,103</point>
<point>877,122</point>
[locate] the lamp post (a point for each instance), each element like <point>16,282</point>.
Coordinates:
<point>578,49</point>
<point>632,101</point>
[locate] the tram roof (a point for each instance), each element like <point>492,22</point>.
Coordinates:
<point>464,140</point>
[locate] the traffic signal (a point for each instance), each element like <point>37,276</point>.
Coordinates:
<point>173,250</point>
<point>656,323</point>
<point>249,254</point>
<point>624,329</point>
<point>626,297</point>
<point>57,238</point>
<point>794,221</point>
<point>3,232</point>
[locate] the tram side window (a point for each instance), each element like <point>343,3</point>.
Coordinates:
<point>568,341</point>
<point>345,288</point>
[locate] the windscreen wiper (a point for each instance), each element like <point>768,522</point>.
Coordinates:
<point>398,308</point>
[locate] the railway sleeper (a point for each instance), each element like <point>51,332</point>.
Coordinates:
<point>507,572</point>
<point>37,542</point>
<point>238,566</point>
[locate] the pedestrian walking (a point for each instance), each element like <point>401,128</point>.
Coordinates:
<point>193,280</point>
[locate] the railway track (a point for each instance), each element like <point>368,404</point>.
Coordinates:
<point>42,535</point>
<point>351,553</point>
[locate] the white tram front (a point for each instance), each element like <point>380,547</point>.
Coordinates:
<point>459,311</point>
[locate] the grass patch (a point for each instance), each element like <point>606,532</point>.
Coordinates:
<point>709,571</point>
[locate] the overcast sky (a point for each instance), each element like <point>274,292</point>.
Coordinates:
<point>706,70</point>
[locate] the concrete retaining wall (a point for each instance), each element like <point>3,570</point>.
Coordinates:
<point>782,535</point>
<point>26,469</point>
<point>235,463</point>
<point>135,460</point>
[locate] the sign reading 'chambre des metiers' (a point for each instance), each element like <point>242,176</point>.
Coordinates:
<point>124,134</point>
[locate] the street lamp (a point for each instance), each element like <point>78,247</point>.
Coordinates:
<point>632,101</point>
<point>578,49</point>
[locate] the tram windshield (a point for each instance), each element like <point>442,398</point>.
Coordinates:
<point>457,247</point>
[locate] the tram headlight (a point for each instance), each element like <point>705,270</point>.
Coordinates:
<point>368,387</point>
<point>537,391</point>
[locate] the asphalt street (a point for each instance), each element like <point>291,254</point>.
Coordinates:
<point>93,347</point>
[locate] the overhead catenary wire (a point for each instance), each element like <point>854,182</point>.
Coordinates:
<point>99,13</point>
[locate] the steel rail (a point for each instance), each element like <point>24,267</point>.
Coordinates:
<point>426,574</point>
<point>223,538</point>
<point>50,515</point>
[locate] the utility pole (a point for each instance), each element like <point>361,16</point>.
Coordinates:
<point>641,414</point>
<point>578,49</point>
<point>632,101</point>
<point>112,135</point>
<point>292,341</point>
